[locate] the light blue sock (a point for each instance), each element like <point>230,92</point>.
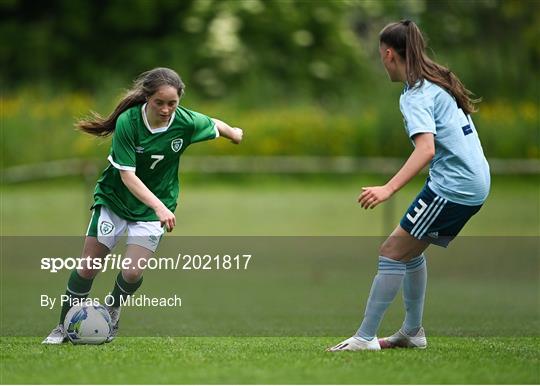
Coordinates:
<point>414,293</point>
<point>385,286</point>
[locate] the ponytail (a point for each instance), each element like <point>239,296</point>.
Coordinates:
<point>406,38</point>
<point>144,86</point>
<point>102,127</point>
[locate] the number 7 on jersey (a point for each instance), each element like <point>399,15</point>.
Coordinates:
<point>157,157</point>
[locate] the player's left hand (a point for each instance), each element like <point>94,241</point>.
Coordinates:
<point>237,135</point>
<point>372,196</point>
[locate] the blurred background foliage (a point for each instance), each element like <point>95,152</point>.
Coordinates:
<point>301,77</point>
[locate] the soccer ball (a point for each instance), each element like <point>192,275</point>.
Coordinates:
<point>88,324</point>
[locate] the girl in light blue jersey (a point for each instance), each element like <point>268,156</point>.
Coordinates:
<point>436,109</point>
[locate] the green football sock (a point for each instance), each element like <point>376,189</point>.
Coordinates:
<point>77,288</point>
<point>122,289</point>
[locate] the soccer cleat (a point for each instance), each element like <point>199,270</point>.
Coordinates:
<point>114,312</point>
<point>400,339</point>
<point>57,336</point>
<point>356,343</point>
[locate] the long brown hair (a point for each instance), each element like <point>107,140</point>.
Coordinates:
<point>406,38</point>
<point>144,86</point>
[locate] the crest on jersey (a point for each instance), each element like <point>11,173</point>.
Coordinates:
<point>176,144</point>
<point>105,228</point>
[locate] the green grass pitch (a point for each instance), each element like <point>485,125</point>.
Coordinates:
<point>271,205</point>
<point>289,360</point>
<point>272,324</point>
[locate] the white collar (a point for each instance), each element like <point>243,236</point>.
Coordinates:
<point>159,129</point>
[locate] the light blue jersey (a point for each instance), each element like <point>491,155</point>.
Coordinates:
<point>459,172</point>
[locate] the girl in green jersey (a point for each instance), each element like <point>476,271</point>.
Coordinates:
<point>138,190</point>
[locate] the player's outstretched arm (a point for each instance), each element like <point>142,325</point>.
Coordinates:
<point>421,156</point>
<point>145,195</point>
<point>235,134</point>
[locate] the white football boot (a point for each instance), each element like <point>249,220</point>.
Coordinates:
<point>400,339</point>
<point>114,312</point>
<point>356,343</point>
<point>57,336</point>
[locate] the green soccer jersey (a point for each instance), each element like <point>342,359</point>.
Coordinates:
<point>153,154</point>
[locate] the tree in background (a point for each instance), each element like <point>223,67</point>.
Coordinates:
<point>262,47</point>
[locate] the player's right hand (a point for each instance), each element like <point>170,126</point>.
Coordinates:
<point>166,218</point>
